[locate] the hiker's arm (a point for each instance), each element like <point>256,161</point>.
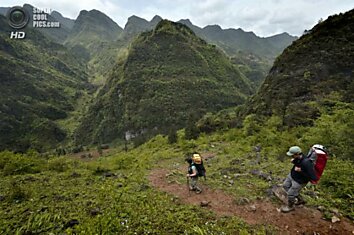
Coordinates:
<point>298,169</point>
<point>194,173</point>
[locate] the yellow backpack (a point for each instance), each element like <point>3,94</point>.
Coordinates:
<point>198,163</point>
<point>197,159</point>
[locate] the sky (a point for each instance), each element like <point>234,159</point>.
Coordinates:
<point>263,17</point>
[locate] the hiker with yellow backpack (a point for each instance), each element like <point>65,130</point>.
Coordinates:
<point>195,170</point>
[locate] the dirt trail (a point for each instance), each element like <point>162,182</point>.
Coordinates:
<point>301,221</point>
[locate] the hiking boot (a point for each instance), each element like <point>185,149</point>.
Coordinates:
<point>289,207</point>
<point>198,191</point>
<point>286,209</point>
<point>299,201</point>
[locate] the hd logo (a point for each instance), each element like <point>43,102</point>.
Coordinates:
<point>17,18</point>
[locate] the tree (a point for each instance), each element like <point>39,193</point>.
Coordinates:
<point>172,136</point>
<point>191,130</point>
<point>99,149</point>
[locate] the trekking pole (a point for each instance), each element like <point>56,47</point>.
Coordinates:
<point>189,191</point>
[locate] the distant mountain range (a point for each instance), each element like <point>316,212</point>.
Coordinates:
<point>236,40</point>
<point>94,37</point>
<point>137,25</point>
<point>93,26</point>
<point>55,34</point>
<point>3,10</point>
<point>151,76</point>
<point>230,40</point>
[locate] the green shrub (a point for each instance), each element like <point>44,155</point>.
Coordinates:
<point>18,193</point>
<point>18,164</point>
<point>59,164</point>
<point>337,185</point>
<point>335,130</point>
<point>172,136</point>
<point>4,158</point>
<point>251,125</point>
<point>139,140</point>
<point>99,170</point>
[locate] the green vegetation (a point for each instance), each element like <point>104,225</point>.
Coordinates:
<point>237,41</point>
<point>166,80</point>
<point>92,26</point>
<point>168,74</point>
<point>236,159</point>
<point>136,25</point>
<point>255,68</point>
<point>253,55</point>
<point>93,39</point>
<point>40,84</point>
<point>333,127</point>
<point>57,35</point>
<point>116,198</point>
<point>316,67</point>
<point>172,136</point>
<point>48,105</point>
<point>47,195</point>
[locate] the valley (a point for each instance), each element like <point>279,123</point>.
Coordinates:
<point>96,121</point>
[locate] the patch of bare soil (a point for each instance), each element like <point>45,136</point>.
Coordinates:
<point>301,221</point>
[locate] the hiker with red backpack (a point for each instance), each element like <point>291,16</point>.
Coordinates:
<point>195,170</point>
<point>305,169</point>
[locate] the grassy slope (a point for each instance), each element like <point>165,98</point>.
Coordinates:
<point>125,204</point>
<point>71,189</point>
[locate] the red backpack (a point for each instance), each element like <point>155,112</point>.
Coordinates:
<point>319,156</point>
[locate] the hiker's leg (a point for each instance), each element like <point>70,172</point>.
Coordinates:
<point>300,200</point>
<point>287,183</point>
<point>294,190</point>
<point>190,185</point>
<point>194,181</point>
<point>290,186</point>
<point>198,189</point>
<point>289,207</point>
<point>195,185</point>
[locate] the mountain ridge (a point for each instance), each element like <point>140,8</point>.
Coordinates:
<point>95,22</point>
<point>136,25</point>
<point>314,68</point>
<point>93,40</point>
<point>40,84</point>
<point>141,97</point>
<point>232,41</point>
<point>67,22</point>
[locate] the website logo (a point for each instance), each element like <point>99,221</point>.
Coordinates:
<point>41,18</point>
<point>17,18</point>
